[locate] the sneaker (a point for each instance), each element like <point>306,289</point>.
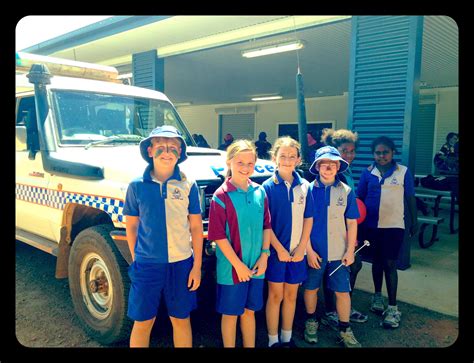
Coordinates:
<point>331,320</point>
<point>311,331</point>
<point>358,317</point>
<point>377,305</point>
<point>290,344</point>
<point>348,339</point>
<point>392,318</point>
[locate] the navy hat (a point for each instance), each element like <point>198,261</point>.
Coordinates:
<point>331,153</point>
<point>163,131</point>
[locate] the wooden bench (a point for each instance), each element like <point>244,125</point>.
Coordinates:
<point>425,222</point>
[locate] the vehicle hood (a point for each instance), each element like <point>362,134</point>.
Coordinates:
<point>124,163</point>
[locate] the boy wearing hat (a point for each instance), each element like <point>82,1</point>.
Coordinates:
<point>164,234</point>
<point>333,239</point>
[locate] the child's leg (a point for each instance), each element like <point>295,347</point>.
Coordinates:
<point>247,327</point>
<point>272,310</point>
<point>182,332</point>
<point>140,336</point>
<point>310,300</point>
<point>354,270</point>
<point>391,280</point>
<point>394,239</point>
<point>228,329</point>
<point>343,306</point>
<point>289,306</point>
<point>377,260</point>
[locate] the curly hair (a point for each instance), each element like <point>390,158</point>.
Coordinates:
<point>336,138</point>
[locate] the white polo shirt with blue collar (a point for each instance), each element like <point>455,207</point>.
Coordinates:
<point>384,195</point>
<point>332,205</point>
<point>163,232</point>
<point>289,205</point>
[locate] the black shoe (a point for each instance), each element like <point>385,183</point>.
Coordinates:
<point>290,344</point>
<point>275,345</point>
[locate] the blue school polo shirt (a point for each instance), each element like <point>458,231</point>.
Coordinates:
<point>289,204</point>
<point>332,205</point>
<point>240,217</point>
<point>384,195</point>
<point>163,232</point>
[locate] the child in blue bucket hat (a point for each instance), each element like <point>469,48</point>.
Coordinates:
<point>164,234</point>
<point>333,240</point>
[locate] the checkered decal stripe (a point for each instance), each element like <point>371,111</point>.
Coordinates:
<point>58,199</point>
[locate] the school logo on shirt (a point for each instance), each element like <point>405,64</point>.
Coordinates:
<point>340,202</point>
<point>176,194</point>
<point>301,200</point>
<point>394,181</point>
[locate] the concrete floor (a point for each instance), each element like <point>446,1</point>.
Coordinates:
<point>432,280</point>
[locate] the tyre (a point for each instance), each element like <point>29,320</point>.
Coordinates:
<point>99,285</point>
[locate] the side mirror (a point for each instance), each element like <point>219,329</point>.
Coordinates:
<point>21,138</point>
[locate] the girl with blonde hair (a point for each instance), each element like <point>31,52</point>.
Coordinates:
<point>239,223</point>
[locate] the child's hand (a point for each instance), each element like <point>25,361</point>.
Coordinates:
<point>313,259</point>
<point>348,258</point>
<point>243,272</point>
<point>283,255</point>
<point>297,254</point>
<point>194,279</point>
<point>261,265</point>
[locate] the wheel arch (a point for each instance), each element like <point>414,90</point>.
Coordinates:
<point>76,218</point>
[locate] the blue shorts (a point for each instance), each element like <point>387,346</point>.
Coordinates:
<point>233,299</point>
<point>150,280</point>
<point>339,282</point>
<point>289,272</point>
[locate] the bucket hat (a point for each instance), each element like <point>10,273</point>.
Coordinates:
<point>331,153</point>
<point>163,131</point>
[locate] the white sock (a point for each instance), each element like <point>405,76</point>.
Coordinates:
<point>285,336</point>
<point>393,307</point>
<point>272,339</point>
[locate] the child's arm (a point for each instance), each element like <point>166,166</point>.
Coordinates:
<point>298,252</point>
<point>195,223</point>
<point>313,258</point>
<point>261,265</point>
<point>132,233</point>
<point>243,272</point>
<point>283,254</point>
<point>348,258</point>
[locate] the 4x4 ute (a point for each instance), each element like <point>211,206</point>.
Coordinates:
<point>77,135</point>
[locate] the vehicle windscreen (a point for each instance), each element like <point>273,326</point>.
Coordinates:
<point>84,117</point>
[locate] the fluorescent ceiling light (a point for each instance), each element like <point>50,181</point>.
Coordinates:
<point>267,98</point>
<point>277,48</point>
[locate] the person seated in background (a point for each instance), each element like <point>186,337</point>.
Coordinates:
<point>228,139</point>
<point>263,146</point>
<point>446,159</point>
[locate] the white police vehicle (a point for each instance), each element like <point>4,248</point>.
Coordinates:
<point>77,134</point>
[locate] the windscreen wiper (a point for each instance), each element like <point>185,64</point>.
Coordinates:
<point>116,138</point>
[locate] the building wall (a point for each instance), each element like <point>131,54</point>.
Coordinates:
<point>205,119</point>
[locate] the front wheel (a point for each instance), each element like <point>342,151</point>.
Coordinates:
<point>99,285</point>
